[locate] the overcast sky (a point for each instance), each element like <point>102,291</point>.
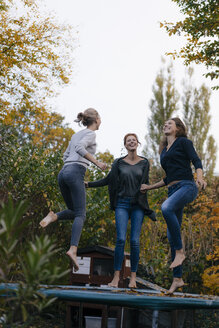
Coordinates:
<point>119,54</point>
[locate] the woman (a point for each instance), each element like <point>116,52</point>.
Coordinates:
<point>124,181</point>
<point>176,154</point>
<point>76,158</point>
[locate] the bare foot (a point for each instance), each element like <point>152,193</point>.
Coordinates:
<point>177,283</point>
<point>51,217</point>
<point>132,284</point>
<point>179,258</point>
<point>115,281</point>
<point>73,257</point>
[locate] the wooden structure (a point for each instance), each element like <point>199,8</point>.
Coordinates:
<point>96,267</point>
<point>96,270</point>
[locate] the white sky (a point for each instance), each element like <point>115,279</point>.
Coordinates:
<point>119,55</point>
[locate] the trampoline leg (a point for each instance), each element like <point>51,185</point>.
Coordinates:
<point>80,314</point>
<point>104,316</point>
<point>122,316</point>
<point>155,319</point>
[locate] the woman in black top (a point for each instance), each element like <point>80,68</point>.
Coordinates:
<point>124,181</point>
<point>176,154</point>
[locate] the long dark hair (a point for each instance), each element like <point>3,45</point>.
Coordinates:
<point>181,132</point>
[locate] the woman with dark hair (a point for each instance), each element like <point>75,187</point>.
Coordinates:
<point>76,158</point>
<point>176,154</point>
<point>124,181</point>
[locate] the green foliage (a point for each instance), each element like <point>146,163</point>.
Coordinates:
<point>195,104</point>
<point>29,172</point>
<point>99,228</point>
<point>162,106</point>
<point>200,27</point>
<point>31,263</point>
<point>199,235</point>
<point>196,115</point>
<point>154,248</point>
<point>11,227</point>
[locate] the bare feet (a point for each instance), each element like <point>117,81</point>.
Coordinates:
<point>115,281</point>
<point>72,253</point>
<point>177,283</point>
<point>179,258</point>
<point>51,217</point>
<point>132,283</point>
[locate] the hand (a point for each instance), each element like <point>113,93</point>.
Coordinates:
<point>86,184</point>
<point>200,183</point>
<point>144,188</point>
<point>101,165</point>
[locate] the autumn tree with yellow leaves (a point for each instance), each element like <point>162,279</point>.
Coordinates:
<point>36,55</point>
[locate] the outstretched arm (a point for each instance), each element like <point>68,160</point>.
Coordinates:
<point>93,160</point>
<point>81,149</point>
<point>99,183</point>
<point>145,187</point>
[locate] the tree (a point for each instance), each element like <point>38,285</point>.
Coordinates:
<point>162,106</point>
<point>196,115</point>
<point>4,4</point>
<point>35,56</point>
<point>99,227</point>
<point>38,126</point>
<point>200,27</point>
<point>199,235</point>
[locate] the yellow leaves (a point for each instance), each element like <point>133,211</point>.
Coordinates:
<point>211,279</point>
<point>216,210</point>
<point>214,221</point>
<point>36,55</point>
<point>213,256</point>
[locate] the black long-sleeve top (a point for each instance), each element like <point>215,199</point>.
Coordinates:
<point>113,182</point>
<point>176,161</point>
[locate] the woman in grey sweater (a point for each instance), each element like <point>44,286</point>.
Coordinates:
<point>76,158</point>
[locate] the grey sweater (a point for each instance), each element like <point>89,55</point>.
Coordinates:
<point>81,143</point>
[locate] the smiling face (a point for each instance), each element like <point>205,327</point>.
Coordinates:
<point>131,143</point>
<point>170,128</point>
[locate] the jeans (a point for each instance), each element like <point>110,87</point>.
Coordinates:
<point>71,184</point>
<point>179,195</point>
<point>125,210</point>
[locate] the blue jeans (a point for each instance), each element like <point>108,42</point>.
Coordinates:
<point>125,210</point>
<point>179,195</point>
<point>71,184</point>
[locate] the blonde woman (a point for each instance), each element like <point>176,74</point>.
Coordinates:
<point>76,158</point>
